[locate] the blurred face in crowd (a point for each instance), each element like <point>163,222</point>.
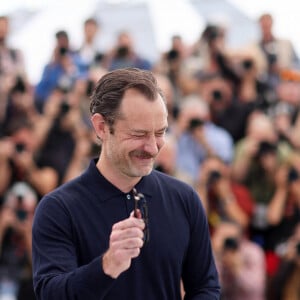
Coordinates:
<point>269,162</point>
<point>192,108</point>
<point>217,92</point>
<point>211,164</point>
<point>90,30</point>
<point>137,136</point>
<point>260,128</point>
<point>167,90</point>
<point>24,137</point>
<point>166,158</point>
<point>62,41</point>
<point>4,27</point>
<point>266,23</point>
<point>124,44</point>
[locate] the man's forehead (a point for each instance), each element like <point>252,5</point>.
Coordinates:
<point>133,98</point>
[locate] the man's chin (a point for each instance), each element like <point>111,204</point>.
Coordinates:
<point>142,170</point>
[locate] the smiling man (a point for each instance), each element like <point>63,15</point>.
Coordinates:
<point>122,230</point>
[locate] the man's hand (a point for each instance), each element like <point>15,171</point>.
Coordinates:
<point>126,241</point>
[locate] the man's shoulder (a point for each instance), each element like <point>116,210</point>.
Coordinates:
<point>64,193</point>
<point>170,182</point>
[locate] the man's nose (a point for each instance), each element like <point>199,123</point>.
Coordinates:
<point>151,145</point>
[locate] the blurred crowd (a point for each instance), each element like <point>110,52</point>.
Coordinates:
<point>234,135</point>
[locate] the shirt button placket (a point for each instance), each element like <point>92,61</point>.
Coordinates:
<point>129,205</point>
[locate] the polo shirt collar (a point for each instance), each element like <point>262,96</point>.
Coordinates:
<point>95,179</point>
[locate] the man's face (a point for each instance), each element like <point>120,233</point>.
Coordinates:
<point>138,135</point>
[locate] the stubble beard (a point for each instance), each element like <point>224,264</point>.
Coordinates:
<point>126,165</point>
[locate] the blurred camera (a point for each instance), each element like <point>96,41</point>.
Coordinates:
<point>90,85</point>
<point>122,52</point>
<point>64,107</point>
<point>266,147</point>
<point>20,147</point>
<point>272,58</point>
<point>20,198</point>
<point>293,175</point>
<point>19,86</point>
<point>160,168</point>
<point>298,249</point>
<point>172,55</point>
<point>65,84</point>
<point>98,57</point>
<point>195,123</point>
<point>63,51</point>
<point>247,64</point>
<point>231,243</point>
<point>213,177</point>
<point>212,32</point>
<point>217,95</point>
<point>20,213</point>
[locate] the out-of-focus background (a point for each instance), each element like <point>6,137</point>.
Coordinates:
<point>230,73</point>
<point>152,22</point>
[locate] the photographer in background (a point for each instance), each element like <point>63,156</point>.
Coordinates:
<point>17,104</point>
<point>283,213</point>
<point>259,128</point>
<point>89,51</point>
<point>16,216</point>
<point>171,64</point>
<point>225,109</point>
<point>223,199</point>
<point>19,160</point>
<point>198,137</point>
<point>62,71</point>
<point>285,285</point>
<point>278,53</point>
<point>240,263</point>
<point>123,55</point>
<point>253,90</point>
<point>11,60</point>
<point>64,133</point>
<point>12,72</point>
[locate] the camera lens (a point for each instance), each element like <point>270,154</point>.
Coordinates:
<point>293,175</point>
<point>230,243</point>
<point>195,123</point>
<point>217,95</point>
<point>213,177</point>
<point>247,64</point>
<point>20,147</point>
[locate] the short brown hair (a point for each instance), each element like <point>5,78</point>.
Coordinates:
<point>91,21</point>
<point>109,91</point>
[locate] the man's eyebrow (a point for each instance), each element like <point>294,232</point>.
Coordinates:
<point>146,131</point>
<point>162,129</point>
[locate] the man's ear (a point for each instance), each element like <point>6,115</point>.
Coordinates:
<point>99,125</point>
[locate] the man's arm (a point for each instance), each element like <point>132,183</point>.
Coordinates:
<point>56,273</point>
<point>200,277</point>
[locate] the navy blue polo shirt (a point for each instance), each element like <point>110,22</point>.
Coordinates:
<point>71,232</point>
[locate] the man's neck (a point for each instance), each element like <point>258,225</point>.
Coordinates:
<point>121,181</point>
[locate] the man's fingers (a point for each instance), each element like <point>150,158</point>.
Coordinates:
<point>121,234</point>
<point>127,244</point>
<point>130,222</point>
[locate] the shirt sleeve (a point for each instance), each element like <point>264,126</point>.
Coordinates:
<point>200,277</point>
<point>56,274</point>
